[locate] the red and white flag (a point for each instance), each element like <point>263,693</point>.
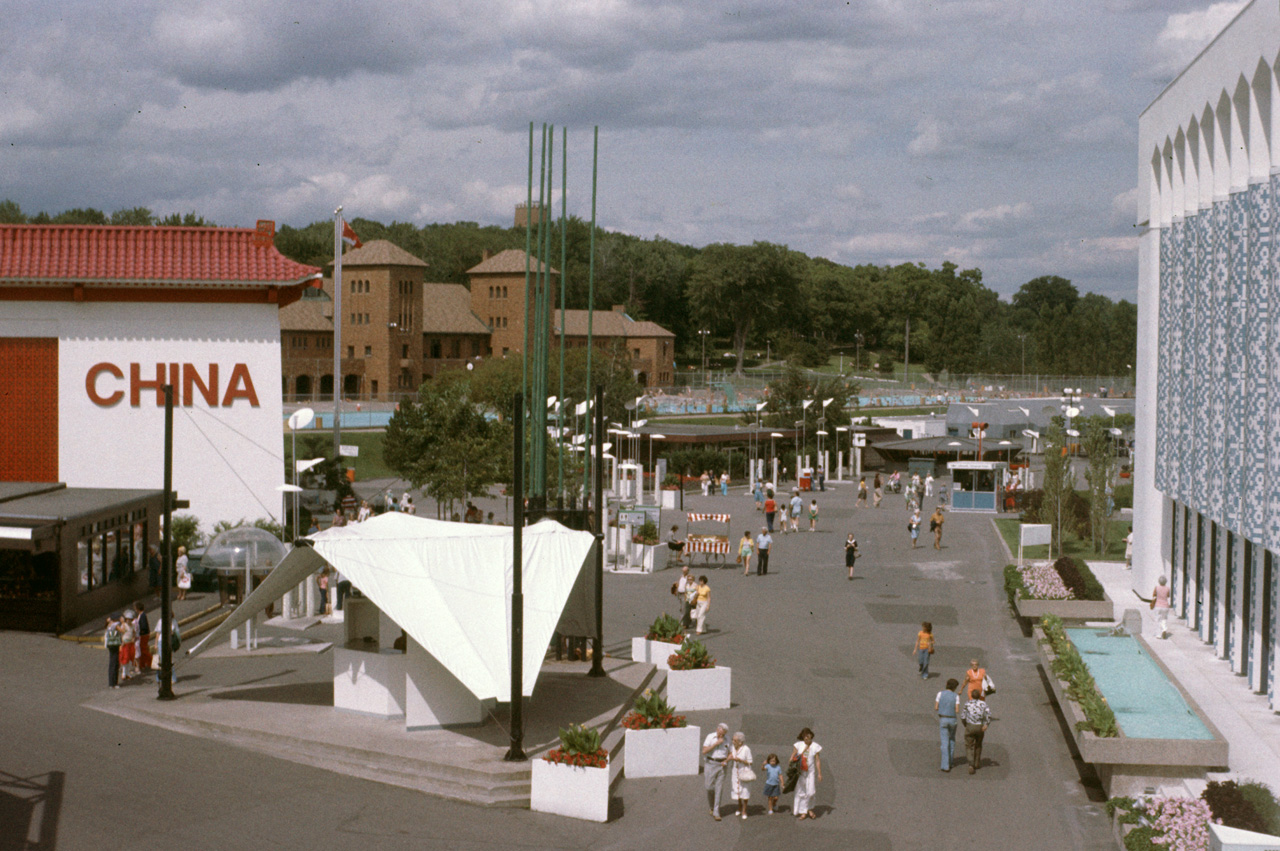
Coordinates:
<point>349,236</point>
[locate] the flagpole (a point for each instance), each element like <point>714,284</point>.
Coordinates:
<point>337,332</point>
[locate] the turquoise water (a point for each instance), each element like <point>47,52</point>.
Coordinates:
<point>1146,704</point>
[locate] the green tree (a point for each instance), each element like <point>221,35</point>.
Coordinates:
<point>734,287</point>
<point>786,398</point>
<point>1057,482</point>
<point>444,442</point>
<point>186,220</point>
<point>1100,474</point>
<point>138,216</point>
<point>11,213</point>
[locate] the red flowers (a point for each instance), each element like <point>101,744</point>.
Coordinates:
<point>665,721</point>
<point>599,759</point>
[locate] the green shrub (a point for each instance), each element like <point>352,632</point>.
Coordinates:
<point>647,533</point>
<point>1070,668</point>
<point>1079,579</point>
<point>579,740</point>
<point>1012,583</point>
<point>1232,808</point>
<point>691,656</point>
<point>1264,802</point>
<point>664,628</point>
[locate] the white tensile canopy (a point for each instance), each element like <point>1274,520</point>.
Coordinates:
<point>448,585</point>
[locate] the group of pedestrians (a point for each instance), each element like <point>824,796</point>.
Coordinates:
<point>127,639</point>
<point>787,514</point>
<point>710,482</point>
<point>963,704</point>
<point>732,757</point>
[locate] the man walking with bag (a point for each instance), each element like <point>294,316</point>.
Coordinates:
<point>715,750</point>
<point>976,715</point>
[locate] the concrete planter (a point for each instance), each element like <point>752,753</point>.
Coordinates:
<point>1127,765</point>
<point>1068,610</point>
<point>654,653</point>
<point>642,557</point>
<point>670,498</point>
<point>568,790</point>
<point>662,753</point>
<point>704,688</point>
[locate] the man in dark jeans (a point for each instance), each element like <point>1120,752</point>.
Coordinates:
<point>764,541</point>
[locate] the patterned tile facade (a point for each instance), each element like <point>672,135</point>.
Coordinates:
<point>1257,339</point>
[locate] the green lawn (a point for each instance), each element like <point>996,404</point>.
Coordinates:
<point>368,464</point>
<point>1071,545</point>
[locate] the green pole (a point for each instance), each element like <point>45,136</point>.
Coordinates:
<point>528,245</point>
<point>538,402</point>
<point>591,297</point>
<point>564,194</point>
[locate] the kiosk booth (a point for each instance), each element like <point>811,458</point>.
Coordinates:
<point>707,543</point>
<point>977,485</point>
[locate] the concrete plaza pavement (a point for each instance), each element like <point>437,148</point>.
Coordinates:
<point>808,648</point>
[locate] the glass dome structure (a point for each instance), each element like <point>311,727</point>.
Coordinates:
<point>231,551</point>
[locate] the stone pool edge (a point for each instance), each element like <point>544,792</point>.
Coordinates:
<point>1134,758</point>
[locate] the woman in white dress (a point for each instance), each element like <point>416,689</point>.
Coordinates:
<point>807,756</point>
<point>184,573</point>
<point>739,760</point>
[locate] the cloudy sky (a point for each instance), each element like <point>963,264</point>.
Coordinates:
<point>992,133</point>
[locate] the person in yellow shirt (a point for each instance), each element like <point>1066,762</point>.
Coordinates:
<point>703,604</point>
<point>924,648</point>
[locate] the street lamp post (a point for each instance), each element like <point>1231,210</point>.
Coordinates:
<point>703,334</point>
<point>857,339</point>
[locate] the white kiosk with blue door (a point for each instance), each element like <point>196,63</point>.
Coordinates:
<point>977,485</point>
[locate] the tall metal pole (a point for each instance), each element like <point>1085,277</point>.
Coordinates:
<point>528,248</point>
<point>516,752</point>
<point>166,608</point>
<point>564,220</point>
<point>597,643</point>
<point>591,283</point>
<point>337,332</point>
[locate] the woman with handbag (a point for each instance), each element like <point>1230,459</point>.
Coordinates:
<point>975,679</point>
<point>806,757</point>
<point>740,772</point>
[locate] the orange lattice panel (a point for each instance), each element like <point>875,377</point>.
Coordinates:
<point>29,409</point>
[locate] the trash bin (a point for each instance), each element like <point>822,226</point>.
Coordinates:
<point>806,480</point>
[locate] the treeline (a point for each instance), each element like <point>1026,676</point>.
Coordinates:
<point>768,298</point>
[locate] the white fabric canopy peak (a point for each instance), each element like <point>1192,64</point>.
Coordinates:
<point>448,585</point>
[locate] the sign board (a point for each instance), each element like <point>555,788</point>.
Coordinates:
<point>348,451</point>
<point>1035,534</point>
<point>631,518</point>
<point>859,440</point>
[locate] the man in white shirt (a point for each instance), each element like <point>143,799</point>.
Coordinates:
<point>715,750</point>
<point>764,541</point>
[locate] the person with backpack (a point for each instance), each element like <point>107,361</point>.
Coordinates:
<point>111,639</point>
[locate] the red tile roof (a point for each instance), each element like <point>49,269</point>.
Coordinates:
<point>143,257</point>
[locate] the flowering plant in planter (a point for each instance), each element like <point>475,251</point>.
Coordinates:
<point>1179,824</point>
<point>579,746</point>
<point>670,482</point>
<point>665,628</point>
<point>691,656</point>
<point>647,534</point>
<point>652,712</point>
<point>1042,582</point>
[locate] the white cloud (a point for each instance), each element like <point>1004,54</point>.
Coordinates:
<point>1185,34</point>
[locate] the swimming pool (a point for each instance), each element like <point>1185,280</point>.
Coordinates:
<point>1147,705</point>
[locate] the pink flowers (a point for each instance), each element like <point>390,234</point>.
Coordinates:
<point>1042,582</point>
<point>1180,823</point>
